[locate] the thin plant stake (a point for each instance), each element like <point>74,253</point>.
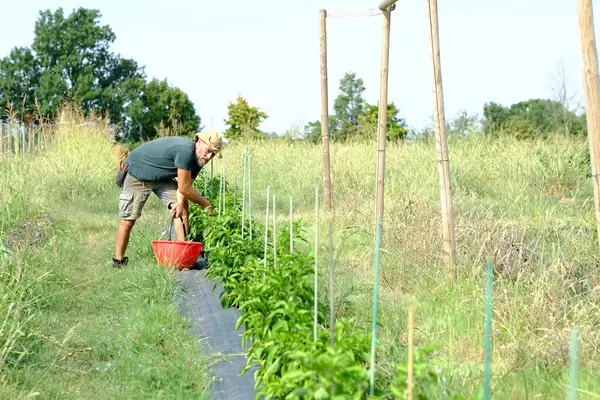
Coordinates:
<point>331,286</point>
<point>573,350</point>
<point>267,226</point>
<point>205,182</point>
<point>411,328</point>
<point>244,191</point>
<point>220,189</point>
<point>235,192</point>
<point>250,193</point>
<point>274,234</point>
<point>224,185</point>
<point>316,261</point>
<point>291,227</point>
<point>487,367</point>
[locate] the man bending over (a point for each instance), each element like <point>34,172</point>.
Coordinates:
<point>168,167</point>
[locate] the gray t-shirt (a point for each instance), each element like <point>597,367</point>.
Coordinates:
<point>159,159</point>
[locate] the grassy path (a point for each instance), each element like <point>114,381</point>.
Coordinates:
<point>84,329</point>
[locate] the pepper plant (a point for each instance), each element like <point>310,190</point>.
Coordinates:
<point>276,305</point>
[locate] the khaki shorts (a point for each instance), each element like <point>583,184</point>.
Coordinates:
<point>135,193</point>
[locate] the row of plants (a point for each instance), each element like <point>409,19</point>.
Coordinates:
<point>276,301</point>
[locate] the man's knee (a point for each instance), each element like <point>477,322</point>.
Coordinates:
<point>127,223</point>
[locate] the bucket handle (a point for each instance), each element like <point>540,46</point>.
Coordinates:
<point>182,225</point>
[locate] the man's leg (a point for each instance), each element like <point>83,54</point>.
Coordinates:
<point>131,202</point>
<point>123,233</point>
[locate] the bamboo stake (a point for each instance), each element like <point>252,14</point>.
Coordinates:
<point>244,191</point>
<point>327,190</point>
<point>381,138</point>
<point>324,109</point>
<point>291,227</point>
<point>274,234</point>
<point>449,245</point>
<point>316,274</point>
<point>411,328</point>
<point>267,226</point>
<point>591,87</point>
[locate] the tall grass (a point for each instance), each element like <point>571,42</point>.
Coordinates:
<point>71,326</point>
<point>527,204</point>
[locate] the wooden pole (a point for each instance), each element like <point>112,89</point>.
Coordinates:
<point>386,4</point>
<point>591,86</point>
<point>381,139</point>
<point>449,245</point>
<point>326,164</point>
<point>324,111</point>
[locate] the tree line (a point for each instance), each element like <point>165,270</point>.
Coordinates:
<point>70,60</point>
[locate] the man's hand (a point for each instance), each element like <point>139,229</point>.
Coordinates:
<point>177,209</point>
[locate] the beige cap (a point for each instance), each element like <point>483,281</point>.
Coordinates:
<point>213,139</point>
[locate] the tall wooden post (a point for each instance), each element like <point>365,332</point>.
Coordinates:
<point>326,165</point>
<point>443,160</point>
<point>324,111</point>
<point>381,139</point>
<point>591,88</point>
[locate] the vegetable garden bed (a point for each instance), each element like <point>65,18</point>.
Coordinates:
<point>276,297</point>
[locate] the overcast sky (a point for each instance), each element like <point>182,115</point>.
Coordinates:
<point>491,50</point>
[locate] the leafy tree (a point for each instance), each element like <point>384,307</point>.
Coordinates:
<point>313,131</point>
<point>531,118</point>
<point>19,77</point>
<point>70,59</point>
<point>243,120</point>
<point>463,124</point>
<point>348,106</point>
<point>161,107</point>
<point>396,127</point>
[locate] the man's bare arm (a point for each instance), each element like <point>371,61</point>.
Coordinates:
<point>186,188</point>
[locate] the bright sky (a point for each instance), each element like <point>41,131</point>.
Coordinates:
<point>491,50</point>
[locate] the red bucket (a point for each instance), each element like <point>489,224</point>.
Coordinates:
<point>176,254</point>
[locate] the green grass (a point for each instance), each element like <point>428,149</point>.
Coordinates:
<point>72,327</point>
<point>529,205</point>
